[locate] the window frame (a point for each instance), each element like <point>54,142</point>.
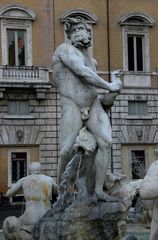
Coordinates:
<point>136,23</point>
<point>18,102</point>
<point>129,31</point>
<point>136,107</point>
<point>15,174</point>
<point>132,152</point>
<point>11,24</point>
<point>10,151</point>
<point>135,52</point>
<point>15,16</point>
<point>15,37</point>
<point>126,154</point>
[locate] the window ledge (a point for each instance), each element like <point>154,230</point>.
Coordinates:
<point>139,117</point>
<point>137,80</point>
<point>137,73</point>
<point>6,116</point>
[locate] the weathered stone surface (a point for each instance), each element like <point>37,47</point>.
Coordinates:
<point>81,106</point>
<point>87,218</point>
<point>14,231</point>
<point>83,210</point>
<point>38,190</point>
<point>86,221</point>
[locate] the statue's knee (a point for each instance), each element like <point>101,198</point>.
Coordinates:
<point>109,141</point>
<point>105,143</point>
<point>11,224</point>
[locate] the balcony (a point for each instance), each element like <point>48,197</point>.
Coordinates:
<point>31,77</point>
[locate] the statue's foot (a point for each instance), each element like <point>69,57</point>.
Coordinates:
<point>100,195</point>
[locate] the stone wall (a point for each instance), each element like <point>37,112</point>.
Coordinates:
<point>39,128</point>
<point>134,130</point>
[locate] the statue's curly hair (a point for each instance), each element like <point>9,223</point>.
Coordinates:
<point>70,22</point>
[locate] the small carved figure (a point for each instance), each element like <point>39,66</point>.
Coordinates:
<point>38,189</point>
<point>149,191</point>
<point>76,78</point>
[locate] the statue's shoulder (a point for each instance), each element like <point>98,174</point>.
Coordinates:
<point>65,48</point>
<point>46,177</point>
<point>154,164</point>
<point>153,169</point>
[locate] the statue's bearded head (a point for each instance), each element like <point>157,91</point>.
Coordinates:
<point>79,32</point>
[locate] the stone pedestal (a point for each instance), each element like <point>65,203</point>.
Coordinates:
<point>84,221</point>
<point>80,215</point>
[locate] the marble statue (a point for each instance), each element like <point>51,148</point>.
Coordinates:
<point>92,203</point>
<point>78,83</point>
<point>149,191</point>
<point>87,219</point>
<point>38,189</point>
<point>86,208</point>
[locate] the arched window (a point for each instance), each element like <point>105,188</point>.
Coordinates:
<point>16,33</point>
<point>136,41</point>
<point>88,16</point>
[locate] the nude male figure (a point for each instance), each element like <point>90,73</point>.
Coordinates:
<point>149,191</point>
<point>76,78</point>
<point>38,189</point>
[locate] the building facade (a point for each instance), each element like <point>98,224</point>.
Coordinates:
<point>29,101</point>
<point>124,37</point>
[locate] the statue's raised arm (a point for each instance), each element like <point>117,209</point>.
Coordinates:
<point>74,60</point>
<point>78,82</point>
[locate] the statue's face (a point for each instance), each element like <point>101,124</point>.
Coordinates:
<point>80,36</point>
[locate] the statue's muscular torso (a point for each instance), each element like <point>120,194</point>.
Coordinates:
<point>69,83</point>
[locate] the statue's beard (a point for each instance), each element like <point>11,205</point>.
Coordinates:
<point>81,42</point>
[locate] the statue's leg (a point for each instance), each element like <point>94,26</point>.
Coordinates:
<point>99,125</point>
<point>11,225</point>
<point>70,126</point>
<point>154,229</point>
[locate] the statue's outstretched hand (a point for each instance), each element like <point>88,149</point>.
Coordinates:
<point>116,83</point>
<point>115,86</point>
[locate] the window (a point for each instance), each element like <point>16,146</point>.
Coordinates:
<point>136,45</point>
<point>16,32</point>
<point>137,108</point>
<point>135,52</point>
<point>16,47</point>
<point>18,160</point>
<point>138,164</point>
<point>18,166</point>
<point>18,107</point>
<point>137,157</point>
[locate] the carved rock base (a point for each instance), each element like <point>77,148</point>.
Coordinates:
<point>98,220</point>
